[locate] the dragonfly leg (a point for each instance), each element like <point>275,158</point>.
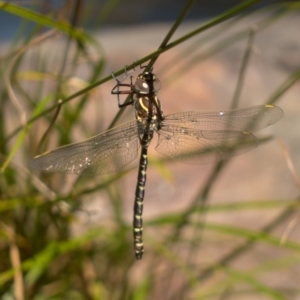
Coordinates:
<point>116,90</point>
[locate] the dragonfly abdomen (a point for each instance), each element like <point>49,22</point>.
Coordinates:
<point>138,204</point>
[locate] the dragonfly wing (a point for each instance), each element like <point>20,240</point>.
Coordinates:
<point>247,119</point>
<point>206,146</point>
<point>101,154</point>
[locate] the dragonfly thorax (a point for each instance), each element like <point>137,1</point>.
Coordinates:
<point>146,107</point>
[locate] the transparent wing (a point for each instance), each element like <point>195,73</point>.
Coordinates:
<point>206,146</point>
<point>101,154</point>
<point>204,137</point>
<point>247,119</point>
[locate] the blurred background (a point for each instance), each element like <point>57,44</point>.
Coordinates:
<point>95,14</point>
<point>215,231</point>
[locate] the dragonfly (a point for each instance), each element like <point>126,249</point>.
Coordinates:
<point>191,137</point>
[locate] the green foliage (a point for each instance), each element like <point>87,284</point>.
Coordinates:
<point>44,254</point>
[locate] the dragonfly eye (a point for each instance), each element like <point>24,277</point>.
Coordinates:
<point>141,86</point>
<point>156,85</point>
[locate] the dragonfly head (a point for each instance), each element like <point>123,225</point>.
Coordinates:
<point>147,83</point>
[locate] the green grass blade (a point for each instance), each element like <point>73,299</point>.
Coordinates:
<point>42,20</point>
<point>40,107</point>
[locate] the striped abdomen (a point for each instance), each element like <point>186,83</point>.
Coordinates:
<point>138,205</point>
